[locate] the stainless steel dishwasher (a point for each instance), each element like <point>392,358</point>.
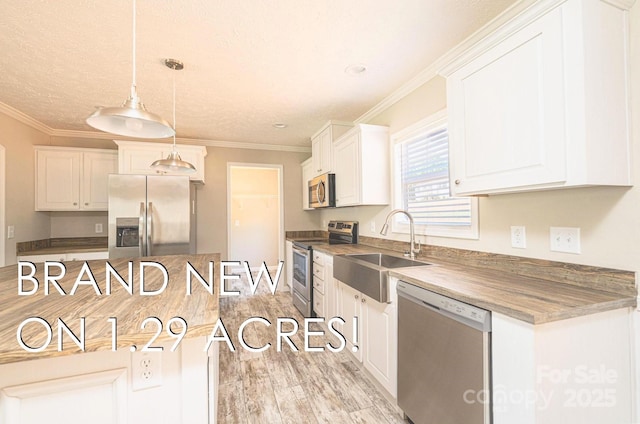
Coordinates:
<point>444,348</point>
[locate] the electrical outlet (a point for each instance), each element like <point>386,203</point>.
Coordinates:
<point>372,226</point>
<point>564,239</point>
<point>11,232</point>
<point>518,237</point>
<point>146,370</point>
<point>98,228</point>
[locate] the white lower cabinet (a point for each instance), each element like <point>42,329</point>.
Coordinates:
<point>322,284</point>
<point>68,256</point>
<point>376,335</point>
<point>99,388</point>
<point>576,370</point>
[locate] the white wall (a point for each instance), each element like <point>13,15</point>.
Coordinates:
<point>18,140</point>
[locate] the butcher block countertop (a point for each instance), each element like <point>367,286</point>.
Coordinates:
<point>528,298</point>
<point>199,310</point>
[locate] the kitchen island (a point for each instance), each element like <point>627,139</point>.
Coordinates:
<point>62,361</point>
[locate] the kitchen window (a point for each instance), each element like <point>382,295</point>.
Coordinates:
<point>421,183</point>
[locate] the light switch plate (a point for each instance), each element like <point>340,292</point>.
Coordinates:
<point>11,232</point>
<point>98,228</point>
<point>564,239</point>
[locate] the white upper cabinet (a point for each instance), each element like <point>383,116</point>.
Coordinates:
<point>361,165</point>
<point>136,157</point>
<point>322,146</point>
<point>71,179</point>
<point>543,102</point>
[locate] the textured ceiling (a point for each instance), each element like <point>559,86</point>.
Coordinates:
<point>248,63</point>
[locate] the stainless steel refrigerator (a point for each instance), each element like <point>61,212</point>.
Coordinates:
<point>151,215</point>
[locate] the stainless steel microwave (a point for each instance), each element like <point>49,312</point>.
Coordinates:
<point>322,191</point>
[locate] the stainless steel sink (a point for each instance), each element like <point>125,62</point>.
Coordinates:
<point>369,273</point>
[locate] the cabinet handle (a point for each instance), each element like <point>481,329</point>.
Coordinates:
<point>75,203</point>
<point>364,300</point>
<point>356,296</point>
<point>457,182</point>
<point>86,204</point>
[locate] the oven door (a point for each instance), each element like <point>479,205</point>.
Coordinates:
<point>302,272</point>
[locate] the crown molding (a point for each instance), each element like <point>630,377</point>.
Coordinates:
<point>52,132</point>
<point>245,145</point>
<point>436,67</point>
<point>24,118</point>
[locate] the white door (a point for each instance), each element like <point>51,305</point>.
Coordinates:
<point>255,231</point>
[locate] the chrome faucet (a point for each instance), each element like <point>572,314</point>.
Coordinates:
<point>385,227</point>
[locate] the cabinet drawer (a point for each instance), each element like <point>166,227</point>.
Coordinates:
<point>318,271</point>
<point>318,284</point>
<point>318,258</point>
<point>318,303</point>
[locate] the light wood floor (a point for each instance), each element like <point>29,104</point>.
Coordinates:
<point>290,387</point>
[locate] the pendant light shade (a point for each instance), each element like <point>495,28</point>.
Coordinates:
<point>132,118</point>
<point>173,162</point>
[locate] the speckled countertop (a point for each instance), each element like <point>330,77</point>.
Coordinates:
<point>199,310</point>
<point>530,299</point>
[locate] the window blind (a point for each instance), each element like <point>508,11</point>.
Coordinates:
<point>424,174</point>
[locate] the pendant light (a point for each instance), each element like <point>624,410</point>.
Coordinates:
<point>174,162</point>
<point>132,118</point>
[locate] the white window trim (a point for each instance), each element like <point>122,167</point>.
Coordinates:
<point>400,224</point>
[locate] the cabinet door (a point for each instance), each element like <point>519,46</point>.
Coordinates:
<point>347,169</point>
<point>350,300</point>
<point>58,180</point>
<point>95,179</point>
<point>507,112</point>
<point>379,336</point>
<point>321,152</point>
<point>138,160</point>
<point>330,289</point>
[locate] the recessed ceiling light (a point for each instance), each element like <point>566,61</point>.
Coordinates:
<point>279,125</point>
<point>356,69</point>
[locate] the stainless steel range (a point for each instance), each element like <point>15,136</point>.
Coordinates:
<point>340,232</point>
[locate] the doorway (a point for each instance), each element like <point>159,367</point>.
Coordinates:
<point>255,225</point>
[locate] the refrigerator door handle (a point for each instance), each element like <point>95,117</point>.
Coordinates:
<point>141,231</point>
<point>150,229</point>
